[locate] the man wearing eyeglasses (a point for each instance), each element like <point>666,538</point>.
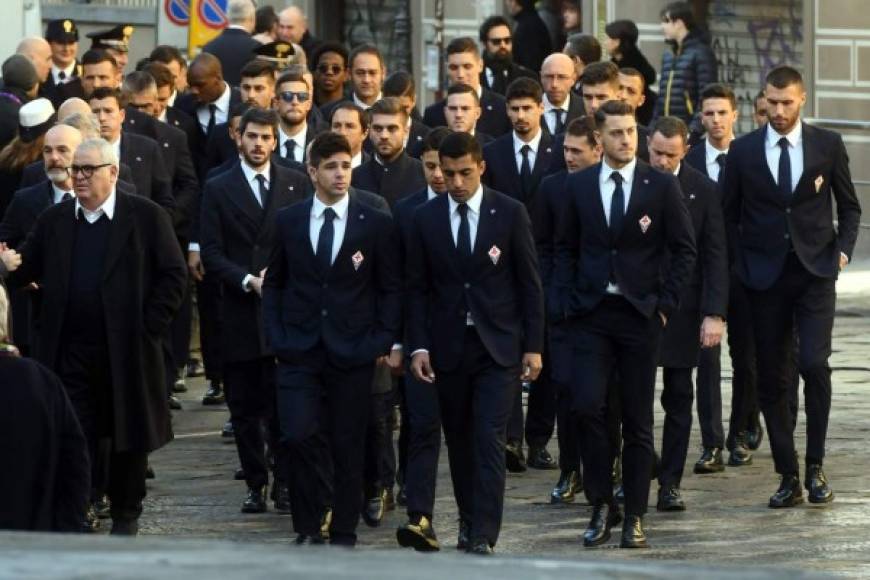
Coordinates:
<point>293,102</point>
<point>112,277</point>
<point>498,58</point>
<point>558,76</point>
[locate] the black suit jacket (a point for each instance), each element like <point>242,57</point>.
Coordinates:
<point>763,225</point>
<point>57,94</point>
<point>576,109</point>
<point>353,310</point>
<point>697,157</point>
<point>548,209</point>
<point>392,181</point>
<point>234,48</point>
<point>501,167</point>
<point>34,173</point>
<point>559,148</point>
<point>504,76</point>
<point>135,121</point>
<point>178,163</point>
<point>236,239</point>
<point>531,39</point>
<point>181,120</point>
<point>493,114</point>
<point>584,248</point>
<point>188,104</point>
<point>150,176</point>
<point>503,293</point>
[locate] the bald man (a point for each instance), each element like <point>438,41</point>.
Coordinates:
<point>558,76</point>
<point>234,47</point>
<point>39,52</point>
<point>293,27</point>
<point>72,106</point>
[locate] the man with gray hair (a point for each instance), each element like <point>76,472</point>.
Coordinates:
<point>235,46</point>
<point>112,277</point>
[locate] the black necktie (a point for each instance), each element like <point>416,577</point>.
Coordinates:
<point>264,190</point>
<point>290,149</point>
<point>66,196</point>
<point>720,160</point>
<point>784,180</point>
<point>526,171</point>
<point>62,76</point>
<point>617,206</point>
<point>212,118</point>
<point>560,121</point>
<point>324,240</point>
<point>463,237</point>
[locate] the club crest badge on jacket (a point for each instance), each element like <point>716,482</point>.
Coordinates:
<point>645,223</point>
<point>494,254</point>
<point>357,260</point>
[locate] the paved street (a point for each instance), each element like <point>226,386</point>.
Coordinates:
<point>727,522</point>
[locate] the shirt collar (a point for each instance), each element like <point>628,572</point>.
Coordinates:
<point>107,208</point>
<point>55,70</point>
<point>626,172</point>
<point>223,102</point>
<point>677,170</point>
<point>340,207</point>
<point>548,106</point>
<point>711,152</point>
<point>362,104</point>
<point>793,136</point>
<point>473,203</point>
<point>356,160</point>
<point>430,193</point>
<point>59,193</point>
<point>172,98</point>
<point>251,174</point>
<point>533,144</point>
<point>299,137</point>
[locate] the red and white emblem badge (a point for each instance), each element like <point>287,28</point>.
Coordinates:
<point>645,223</point>
<point>494,254</point>
<point>357,260</point>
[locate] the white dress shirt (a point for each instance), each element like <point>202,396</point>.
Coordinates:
<point>711,154</point>
<point>107,208</point>
<point>533,153</point>
<point>550,116</point>
<point>356,160</point>
<point>795,153</point>
<point>221,113</point>
<point>251,178</point>
<point>68,72</point>
<point>299,138</point>
<point>116,147</point>
<point>473,214</point>
<point>490,76</point>
<point>339,223</point>
<point>364,106</point>
<point>607,186</point>
<point>431,193</point>
<point>59,193</point>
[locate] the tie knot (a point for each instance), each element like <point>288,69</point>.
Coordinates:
<point>328,214</point>
<point>616,177</point>
<point>261,179</point>
<point>212,108</point>
<point>61,75</point>
<point>525,149</point>
<point>462,208</point>
<point>783,143</point>
<point>720,159</point>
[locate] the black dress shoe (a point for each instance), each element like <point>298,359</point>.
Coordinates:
<point>102,507</point>
<point>568,486</point>
<point>373,510</point>
<point>480,547</point>
<point>789,493</point>
<point>174,403</point>
<point>125,528</point>
<point>670,499</point>
<point>540,458</point>
<point>754,436</point>
<point>419,534</point>
<point>91,523</point>
<point>227,431</point>
<point>214,394</point>
<point>255,503</point>
<point>633,535</point>
<point>740,454</point>
<point>282,498</point>
<point>818,490</point>
<point>239,475</point>
<point>710,461</point>
<point>389,500</point>
<point>306,540</point>
<point>463,539</point>
<point>402,497</point>
<point>604,516</point>
<point>514,459</point>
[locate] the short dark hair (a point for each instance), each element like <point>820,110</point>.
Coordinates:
<point>335,47</point>
<point>582,127</point>
<point>625,31</point>
<point>399,84</point>
<point>325,146</point>
<point>633,72</point>
<point>265,19</point>
<point>679,11</point>
<point>612,108</point>
<point>600,72</point>
<point>462,88</point>
<point>239,109</point>
<point>138,81</point>
<point>670,127</point>
<point>259,116</point>
<point>387,106</point>
<point>490,23</point>
<point>291,77</point>
<point>459,144</point>
<point>365,49</point>
<point>435,138</point>
<point>583,46</point>
<point>783,76</point>
<point>101,93</point>
<point>258,68</point>
<point>165,53</point>
<point>161,73</point>
<point>718,91</point>
<point>98,55</point>
<point>351,106</point>
<point>524,88</point>
<point>462,44</point>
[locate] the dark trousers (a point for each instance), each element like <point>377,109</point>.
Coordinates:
<point>85,371</point>
<point>616,336</point>
<point>676,399</point>
<point>423,421</point>
<point>516,421</point>
<point>208,303</point>
<point>180,331</point>
<point>709,387</point>
<point>806,302</point>
<point>323,411</point>
<point>541,412</point>
<point>741,349</point>
<point>566,433</point>
<point>377,471</point>
<point>475,400</point>
<point>250,391</point>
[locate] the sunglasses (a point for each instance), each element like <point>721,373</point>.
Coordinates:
<point>329,69</point>
<point>86,170</point>
<point>289,96</point>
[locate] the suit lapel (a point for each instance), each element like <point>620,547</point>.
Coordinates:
<point>542,158</point>
<point>484,230</point>
<point>349,246</point>
<point>444,230</point>
<point>594,197</point>
<point>240,194</point>
<point>813,155</point>
<point>761,160</point>
<point>63,233</point>
<point>121,226</point>
<point>281,194</point>
<point>637,199</point>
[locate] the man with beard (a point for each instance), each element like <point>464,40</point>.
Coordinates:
<point>293,101</point>
<point>391,172</point>
<point>499,68</point>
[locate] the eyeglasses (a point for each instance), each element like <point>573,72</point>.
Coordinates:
<point>330,69</point>
<point>288,96</point>
<point>86,170</point>
<point>506,40</point>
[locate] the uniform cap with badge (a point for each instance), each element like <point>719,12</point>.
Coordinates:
<point>62,31</point>
<point>117,38</point>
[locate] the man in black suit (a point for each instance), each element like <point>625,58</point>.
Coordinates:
<point>778,185</point>
<point>499,68</point>
<point>391,172</point>
<point>703,304</point>
<point>293,100</point>
<point>63,38</point>
<point>464,65</point>
<point>331,307</point>
<point>236,236</point>
<point>475,320</point>
<point>234,47</point>
<point>401,86</point>
<point>166,113</point>
<point>112,277</point>
<point>624,225</point>
<point>351,121</point>
<point>560,105</point>
<point>600,82</point>
<point>367,73</point>
<point>581,150</point>
<point>462,111</point>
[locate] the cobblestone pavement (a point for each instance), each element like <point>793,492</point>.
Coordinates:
<point>727,521</point>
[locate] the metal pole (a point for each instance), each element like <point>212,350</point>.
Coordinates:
<point>439,42</point>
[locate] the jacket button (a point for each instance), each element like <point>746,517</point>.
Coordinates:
<point>613,252</point>
<point>467,285</point>
<point>788,210</point>
<point>323,312</point>
<point>786,236</point>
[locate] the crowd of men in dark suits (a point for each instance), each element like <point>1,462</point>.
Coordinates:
<point>576,251</point>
